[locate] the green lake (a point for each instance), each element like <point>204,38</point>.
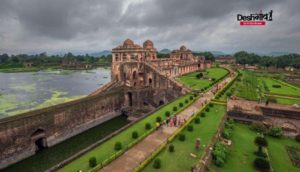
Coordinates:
<point>25,91</point>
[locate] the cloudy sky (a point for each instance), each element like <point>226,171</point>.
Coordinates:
<point>54,26</point>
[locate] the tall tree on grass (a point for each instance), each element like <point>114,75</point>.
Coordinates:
<point>261,142</point>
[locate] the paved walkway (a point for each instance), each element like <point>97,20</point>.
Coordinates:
<point>138,153</point>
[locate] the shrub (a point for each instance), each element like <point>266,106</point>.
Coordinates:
<point>93,162</point>
<point>195,95</point>
<point>199,75</point>
<point>229,124</point>
<point>261,163</point>
<point>157,163</point>
<point>197,121</point>
<point>180,104</point>
<point>276,86</point>
<point>182,137</point>
<point>191,97</point>
<point>186,101</point>
<point>202,114</point>
<point>298,137</point>
<point>227,133</point>
<point>167,113</point>
<point>147,126</point>
<point>228,94</point>
<point>190,128</point>
<point>261,141</point>
<point>275,131</point>
<point>207,109</point>
<point>158,119</point>
<point>211,105</point>
<point>171,148</point>
<point>259,127</point>
<point>213,79</point>
<point>134,134</point>
<point>175,108</point>
<point>118,146</point>
<point>219,154</point>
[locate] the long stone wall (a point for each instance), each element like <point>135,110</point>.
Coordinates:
<point>22,135</point>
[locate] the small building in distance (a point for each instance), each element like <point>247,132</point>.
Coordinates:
<point>225,59</point>
<point>28,64</point>
<point>75,64</point>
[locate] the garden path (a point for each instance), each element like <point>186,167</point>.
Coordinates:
<point>138,153</point>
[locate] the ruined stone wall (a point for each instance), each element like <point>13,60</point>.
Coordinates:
<point>18,134</point>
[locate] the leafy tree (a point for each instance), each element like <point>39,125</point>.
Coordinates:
<point>171,148</point>
<point>135,134</point>
<point>275,131</point>
<point>261,142</point>
<point>262,163</point>
<point>147,126</point>
<point>118,146</point>
<point>92,162</point>
<point>157,163</point>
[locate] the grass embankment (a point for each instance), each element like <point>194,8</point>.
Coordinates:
<point>49,157</point>
<point>250,86</point>
<point>243,148</point>
<point>181,160</point>
<point>106,150</point>
<point>191,80</point>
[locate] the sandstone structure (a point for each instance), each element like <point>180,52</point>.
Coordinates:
<point>139,80</point>
<point>285,116</point>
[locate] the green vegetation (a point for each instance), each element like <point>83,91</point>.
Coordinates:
<point>14,63</point>
<point>282,61</point>
<point>181,159</point>
<point>205,81</point>
<point>242,151</point>
<point>106,150</point>
<point>49,157</point>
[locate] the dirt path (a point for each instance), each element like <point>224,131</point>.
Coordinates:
<point>138,153</point>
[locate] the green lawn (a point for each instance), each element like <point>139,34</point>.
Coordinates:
<point>242,152</point>
<point>106,150</point>
<point>278,155</point>
<point>193,82</point>
<point>285,89</point>
<point>287,101</point>
<point>49,157</point>
<point>180,160</point>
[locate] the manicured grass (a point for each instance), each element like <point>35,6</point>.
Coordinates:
<point>193,82</point>
<point>285,89</point>
<point>106,150</point>
<point>49,157</point>
<point>249,87</point>
<point>278,155</point>
<point>241,151</point>
<point>287,101</point>
<point>243,147</point>
<point>180,160</point>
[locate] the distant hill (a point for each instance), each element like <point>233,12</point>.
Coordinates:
<point>215,53</point>
<point>164,51</point>
<point>278,53</point>
<point>101,53</point>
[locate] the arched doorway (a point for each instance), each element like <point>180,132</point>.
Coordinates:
<point>128,98</point>
<point>150,81</point>
<point>39,139</point>
<point>161,102</point>
<point>134,75</point>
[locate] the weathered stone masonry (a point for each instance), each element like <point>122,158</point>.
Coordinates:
<point>138,80</point>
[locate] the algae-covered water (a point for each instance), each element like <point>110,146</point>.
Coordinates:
<point>21,92</point>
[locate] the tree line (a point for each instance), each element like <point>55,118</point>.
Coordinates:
<point>43,59</point>
<point>289,60</point>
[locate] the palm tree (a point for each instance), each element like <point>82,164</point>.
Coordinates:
<point>261,142</point>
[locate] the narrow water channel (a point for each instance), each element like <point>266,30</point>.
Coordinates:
<point>49,157</point>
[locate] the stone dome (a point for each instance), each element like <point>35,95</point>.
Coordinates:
<point>128,42</point>
<point>183,48</point>
<point>148,44</point>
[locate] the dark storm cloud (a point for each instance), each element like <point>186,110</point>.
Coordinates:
<point>93,25</point>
